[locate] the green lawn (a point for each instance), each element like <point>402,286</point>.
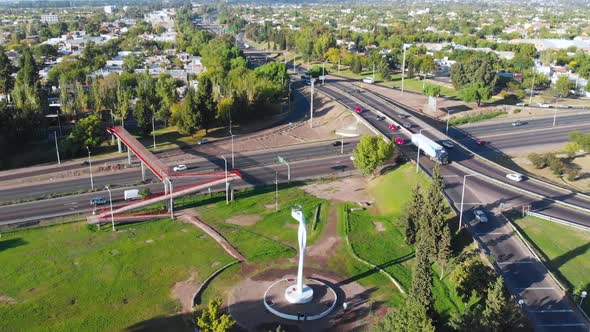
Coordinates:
<point>386,246</point>
<point>565,251</point>
<point>68,278</point>
<point>476,118</point>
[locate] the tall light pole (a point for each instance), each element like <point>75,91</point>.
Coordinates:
<point>276,191</point>
<point>448,116</point>
<point>403,68</point>
<point>111,202</point>
<point>56,147</point>
<point>59,123</point>
<point>532,88</point>
<point>418,156</point>
<point>90,167</point>
<point>311,104</point>
<point>285,162</point>
<point>324,72</point>
<point>232,145</point>
<point>154,131</point>
<point>171,200</point>
<point>462,199</point>
<point>582,296</point>
<point>226,183</point>
<point>554,116</point>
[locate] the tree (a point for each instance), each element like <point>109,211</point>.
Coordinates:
<point>475,92</point>
<point>356,65</point>
<point>81,97</point>
<point>212,320</point>
<point>166,91</point>
<point>383,69</point>
<point>187,118</point>
<point>6,69</point>
<point>444,249</point>
<point>421,291</point>
<point>562,86</point>
<point>434,214</point>
<point>86,132</point>
<point>500,313</point>
<point>132,61</point>
<point>411,317</point>
<point>478,68</point>
<point>471,275</point>
<point>571,148</point>
<point>468,320</point>
<point>411,215</point>
<point>431,90</point>
<point>122,109</point>
<point>205,104</point>
<point>371,152</point>
<point>66,101</point>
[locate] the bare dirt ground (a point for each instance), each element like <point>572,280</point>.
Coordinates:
<point>7,299</point>
<point>582,183</point>
<point>350,189</point>
<point>379,226</point>
<point>326,245</point>
<point>183,291</point>
<point>244,220</point>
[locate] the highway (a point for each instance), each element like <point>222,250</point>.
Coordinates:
<point>545,303</point>
<point>206,162</point>
<point>457,155</point>
<point>333,165</point>
<point>536,132</point>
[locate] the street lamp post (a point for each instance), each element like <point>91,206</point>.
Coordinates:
<point>284,161</point>
<point>554,116</point>
<point>532,88</point>
<point>403,68</point>
<point>171,200</point>
<point>226,183</point>
<point>56,147</point>
<point>154,131</point>
<point>462,199</point>
<point>448,116</point>
<point>111,202</point>
<point>232,145</point>
<point>324,72</point>
<point>582,296</point>
<point>311,104</point>
<point>276,191</point>
<point>418,156</point>
<point>90,167</point>
<point>59,123</point>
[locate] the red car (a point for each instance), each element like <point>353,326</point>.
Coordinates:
<point>480,142</point>
<point>393,127</point>
<point>358,109</point>
<point>400,141</point>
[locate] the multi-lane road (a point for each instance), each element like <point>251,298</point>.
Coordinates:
<point>544,301</point>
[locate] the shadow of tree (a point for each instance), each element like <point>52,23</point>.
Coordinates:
<point>11,243</point>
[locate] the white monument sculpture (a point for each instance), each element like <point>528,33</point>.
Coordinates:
<point>299,293</point>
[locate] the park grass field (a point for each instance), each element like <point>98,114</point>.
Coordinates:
<point>69,278</point>
<point>564,250</point>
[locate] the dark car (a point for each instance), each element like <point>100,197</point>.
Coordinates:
<point>480,142</point>
<point>407,125</point>
<point>403,116</point>
<point>336,143</point>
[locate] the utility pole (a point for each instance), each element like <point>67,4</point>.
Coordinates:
<point>56,147</point>
<point>532,88</point>
<point>111,202</point>
<point>276,191</point>
<point>226,183</point>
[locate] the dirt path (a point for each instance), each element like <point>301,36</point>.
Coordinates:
<point>191,217</point>
<point>325,246</point>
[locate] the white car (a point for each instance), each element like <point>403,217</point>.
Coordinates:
<point>448,144</point>
<point>368,80</point>
<point>179,168</point>
<point>521,104</point>
<point>479,215</point>
<point>517,123</point>
<point>515,177</point>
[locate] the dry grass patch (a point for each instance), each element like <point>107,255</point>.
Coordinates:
<point>244,220</point>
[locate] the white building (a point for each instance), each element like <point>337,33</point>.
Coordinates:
<point>110,9</point>
<point>49,18</point>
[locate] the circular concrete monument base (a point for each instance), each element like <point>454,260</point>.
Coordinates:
<point>316,301</point>
<point>295,297</point>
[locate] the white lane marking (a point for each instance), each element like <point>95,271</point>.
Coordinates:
<point>534,130</point>
<point>520,262</point>
<point>550,311</point>
<point>562,325</point>
<point>71,203</point>
<point>492,233</point>
<point>535,288</point>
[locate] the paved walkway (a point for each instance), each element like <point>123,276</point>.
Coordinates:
<point>191,217</point>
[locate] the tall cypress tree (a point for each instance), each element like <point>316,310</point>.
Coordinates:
<point>421,291</point>
<point>205,104</point>
<point>444,249</point>
<point>500,313</point>
<point>434,214</point>
<point>412,215</point>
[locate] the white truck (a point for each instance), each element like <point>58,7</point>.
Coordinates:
<point>131,194</point>
<point>430,148</point>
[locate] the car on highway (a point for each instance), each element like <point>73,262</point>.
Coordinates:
<point>407,125</point>
<point>380,118</point>
<point>402,116</point>
<point>203,141</point>
<point>336,143</point>
<point>98,201</point>
<point>448,144</point>
<point>521,104</point>
<point>352,158</point>
<point>368,80</point>
<point>392,126</point>
<point>515,177</point>
<point>399,141</point>
<point>179,168</point>
<point>480,216</point>
<point>480,142</point>
<point>358,109</point>
<point>517,123</point>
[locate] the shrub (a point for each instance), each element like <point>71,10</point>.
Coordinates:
<point>145,192</point>
<point>556,165</point>
<point>572,173</point>
<point>539,161</point>
<point>516,111</point>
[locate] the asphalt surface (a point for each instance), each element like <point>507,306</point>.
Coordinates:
<point>334,165</point>
<point>544,302</point>
<point>535,132</point>
<point>208,163</point>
